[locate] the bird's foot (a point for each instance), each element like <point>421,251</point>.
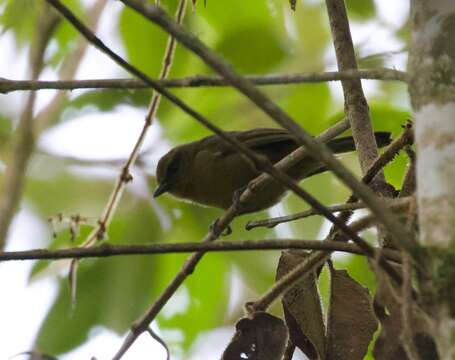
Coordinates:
<point>217,231</point>
<point>236,203</point>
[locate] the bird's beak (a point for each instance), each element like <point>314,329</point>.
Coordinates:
<point>162,188</point>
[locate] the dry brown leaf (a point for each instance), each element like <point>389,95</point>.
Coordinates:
<point>302,308</point>
<point>261,337</point>
<point>351,321</point>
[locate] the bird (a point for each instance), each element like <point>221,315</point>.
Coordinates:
<point>211,172</point>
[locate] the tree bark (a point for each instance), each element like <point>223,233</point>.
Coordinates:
<point>432,91</point>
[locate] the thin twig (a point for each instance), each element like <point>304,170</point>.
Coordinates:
<point>98,233</point>
<point>8,85</point>
<point>316,259</point>
<point>160,340</point>
<point>409,183</point>
<point>222,223</point>
<point>326,156</point>
<point>260,162</point>
<point>318,151</point>
<point>108,250</point>
<point>272,222</point>
<point>405,139</point>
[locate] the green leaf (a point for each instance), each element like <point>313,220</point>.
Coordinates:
<point>361,9</point>
<point>309,105</point>
<point>107,100</point>
<point>21,17</point>
<point>65,36</point>
<point>252,49</point>
<point>66,194</point>
<point>145,43</point>
<point>207,288</point>
<point>359,269</point>
<point>391,119</point>
<point>112,292</point>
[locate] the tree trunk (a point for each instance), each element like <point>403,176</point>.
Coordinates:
<point>432,91</point>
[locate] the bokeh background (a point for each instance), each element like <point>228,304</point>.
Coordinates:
<point>78,158</point>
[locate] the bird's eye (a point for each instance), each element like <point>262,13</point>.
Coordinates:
<point>173,167</point>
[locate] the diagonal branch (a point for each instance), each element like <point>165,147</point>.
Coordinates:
<point>98,233</point>
<point>356,106</point>
<point>8,85</point>
<point>272,222</point>
<point>260,162</point>
<point>319,151</point>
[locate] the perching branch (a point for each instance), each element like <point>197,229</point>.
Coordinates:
<point>260,162</point>
<point>108,250</point>
<point>405,139</point>
<point>8,85</point>
<point>319,151</point>
<point>275,112</point>
<point>221,224</point>
<point>318,258</point>
<point>272,222</point>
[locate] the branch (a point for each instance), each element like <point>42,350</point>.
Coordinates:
<point>221,224</point>
<point>107,250</point>
<point>271,223</point>
<point>316,259</point>
<point>318,151</point>
<point>406,139</point>
<point>261,163</point>
<point>356,106</point>
<point>98,233</point>
<point>7,85</point>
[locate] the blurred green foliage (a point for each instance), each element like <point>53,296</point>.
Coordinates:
<point>257,37</point>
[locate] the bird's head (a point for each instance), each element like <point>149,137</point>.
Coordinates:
<point>170,172</point>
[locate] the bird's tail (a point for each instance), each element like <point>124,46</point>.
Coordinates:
<point>346,144</point>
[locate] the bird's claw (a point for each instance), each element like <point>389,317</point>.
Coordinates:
<point>217,231</point>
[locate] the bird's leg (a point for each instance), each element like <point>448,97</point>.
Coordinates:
<point>236,203</point>
<point>216,231</point>
<point>237,207</point>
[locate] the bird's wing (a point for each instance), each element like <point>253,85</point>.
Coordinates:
<point>260,137</point>
<point>256,139</point>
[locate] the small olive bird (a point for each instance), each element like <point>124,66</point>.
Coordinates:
<point>210,171</point>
